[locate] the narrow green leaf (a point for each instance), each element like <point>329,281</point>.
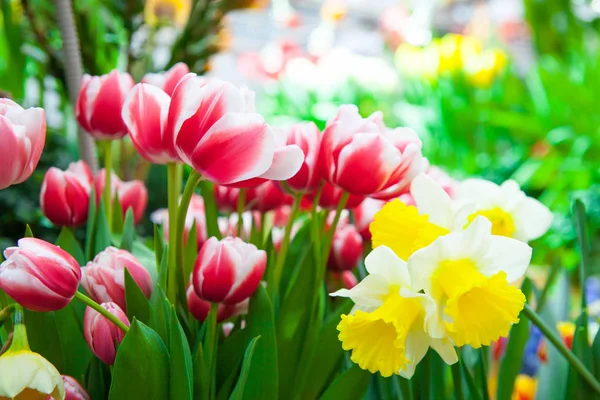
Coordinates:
<point>596,355</point>
<point>97,379</point>
<point>141,369</point>
<point>181,371</point>
<point>138,305</point>
<point>90,233</point>
<point>510,365</point>
<point>102,238</point>
<point>190,252</point>
<point>437,382</point>
<point>474,389</point>
<point>350,385</point>
<point>67,241</point>
<point>159,318</point>
<point>128,231</point>
<point>238,391</point>
<point>200,367</point>
<point>28,232</point>
<point>159,243</point>
<point>577,387</point>
<point>210,209</point>
<point>117,215</point>
<point>584,251</point>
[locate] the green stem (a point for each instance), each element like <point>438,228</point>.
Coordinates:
<point>188,191</point>
<point>104,312</point>
<point>331,231</point>
<point>210,207</point>
<point>314,215</point>
<point>210,343</point>
<point>557,342</point>
<point>107,181</point>
<point>241,203</point>
<point>457,378</point>
<point>19,339</point>
<point>274,286</point>
<point>173,197</point>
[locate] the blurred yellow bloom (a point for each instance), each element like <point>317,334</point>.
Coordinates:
<point>334,10</point>
<point>28,375</point>
<point>175,12</point>
<point>525,388</point>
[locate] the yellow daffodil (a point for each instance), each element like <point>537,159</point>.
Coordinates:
<point>406,229</point>
<point>391,327</point>
<point>525,388</point>
<point>25,374</point>
<point>511,212</point>
<point>468,274</point>
<point>174,12</point>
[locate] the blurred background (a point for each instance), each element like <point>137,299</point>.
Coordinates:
<point>499,89</point>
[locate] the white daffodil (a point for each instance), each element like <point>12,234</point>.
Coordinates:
<point>468,274</point>
<point>406,229</point>
<point>391,327</point>
<point>27,375</point>
<point>510,211</point>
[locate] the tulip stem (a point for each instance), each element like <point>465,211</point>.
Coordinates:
<point>210,344</point>
<point>315,225</point>
<point>278,270</point>
<point>186,197</point>
<point>241,203</point>
<point>104,312</point>
<point>557,342</point>
<point>329,234</point>
<point>107,181</point>
<point>173,197</point>
<point>19,339</point>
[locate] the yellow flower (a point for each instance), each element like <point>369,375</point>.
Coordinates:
<point>525,388</point>
<point>392,326</point>
<point>28,375</point>
<point>511,212</point>
<point>468,274</point>
<point>483,68</point>
<point>406,229</point>
<point>174,12</point>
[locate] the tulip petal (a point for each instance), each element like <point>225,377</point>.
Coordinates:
<point>287,161</point>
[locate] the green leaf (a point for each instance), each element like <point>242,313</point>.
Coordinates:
<point>159,243</point>
<point>97,379</point>
<point>238,391</point>
<point>90,233</point>
<point>596,354</point>
<point>181,371</point>
<point>102,238</point>
<point>190,252</point>
<point>117,215</point>
<point>28,232</point>
<point>327,355</point>
<point>576,386</point>
<point>138,305</point>
<point>67,241</point>
<point>128,231</point>
<point>200,366</point>
<point>350,385</point>
<point>141,369</point>
<point>160,316</point>
<point>437,381</point>
<point>510,365</point>
<point>210,208</point>
<point>146,256</point>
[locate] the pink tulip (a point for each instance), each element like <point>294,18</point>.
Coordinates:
<point>168,80</point>
<point>22,134</point>
<point>200,308</point>
<point>132,194</point>
<point>363,157</point>
<point>331,197</point>
<point>104,277</point>
<point>228,271</point>
<point>218,133</point>
<point>226,198</point>
<point>195,214</point>
<point>346,249</point>
<point>73,390</point>
<point>364,214</point>
<point>101,335</point>
<point>266,197</point>
<point>341,280</point>
<point>307,136</point>
<point>65,195</point>
<point>99,105</point>
<point>145,114</point>
<point>38,275</point>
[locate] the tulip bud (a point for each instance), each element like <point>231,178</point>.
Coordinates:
<point>101,335</point>
<point>38,275</point>
<point>307,136</point>
<point>145,114</point>
<point>195,215</point>
<point>226,198</point>
<point>22,134</point>
<point>331,197</point>
<point>65,195</point>
<point>132,194</point>
<point>266,197</point>
<point>346,249</point>
<point>73,390</point>
<point>228,271</point>
<point>168,80</point>
<point>363,157</point>
<point>104,277</point>
<point>200,308</point>
<point>210,115</point>
<point>364,215</point>
<point>99,105</point>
